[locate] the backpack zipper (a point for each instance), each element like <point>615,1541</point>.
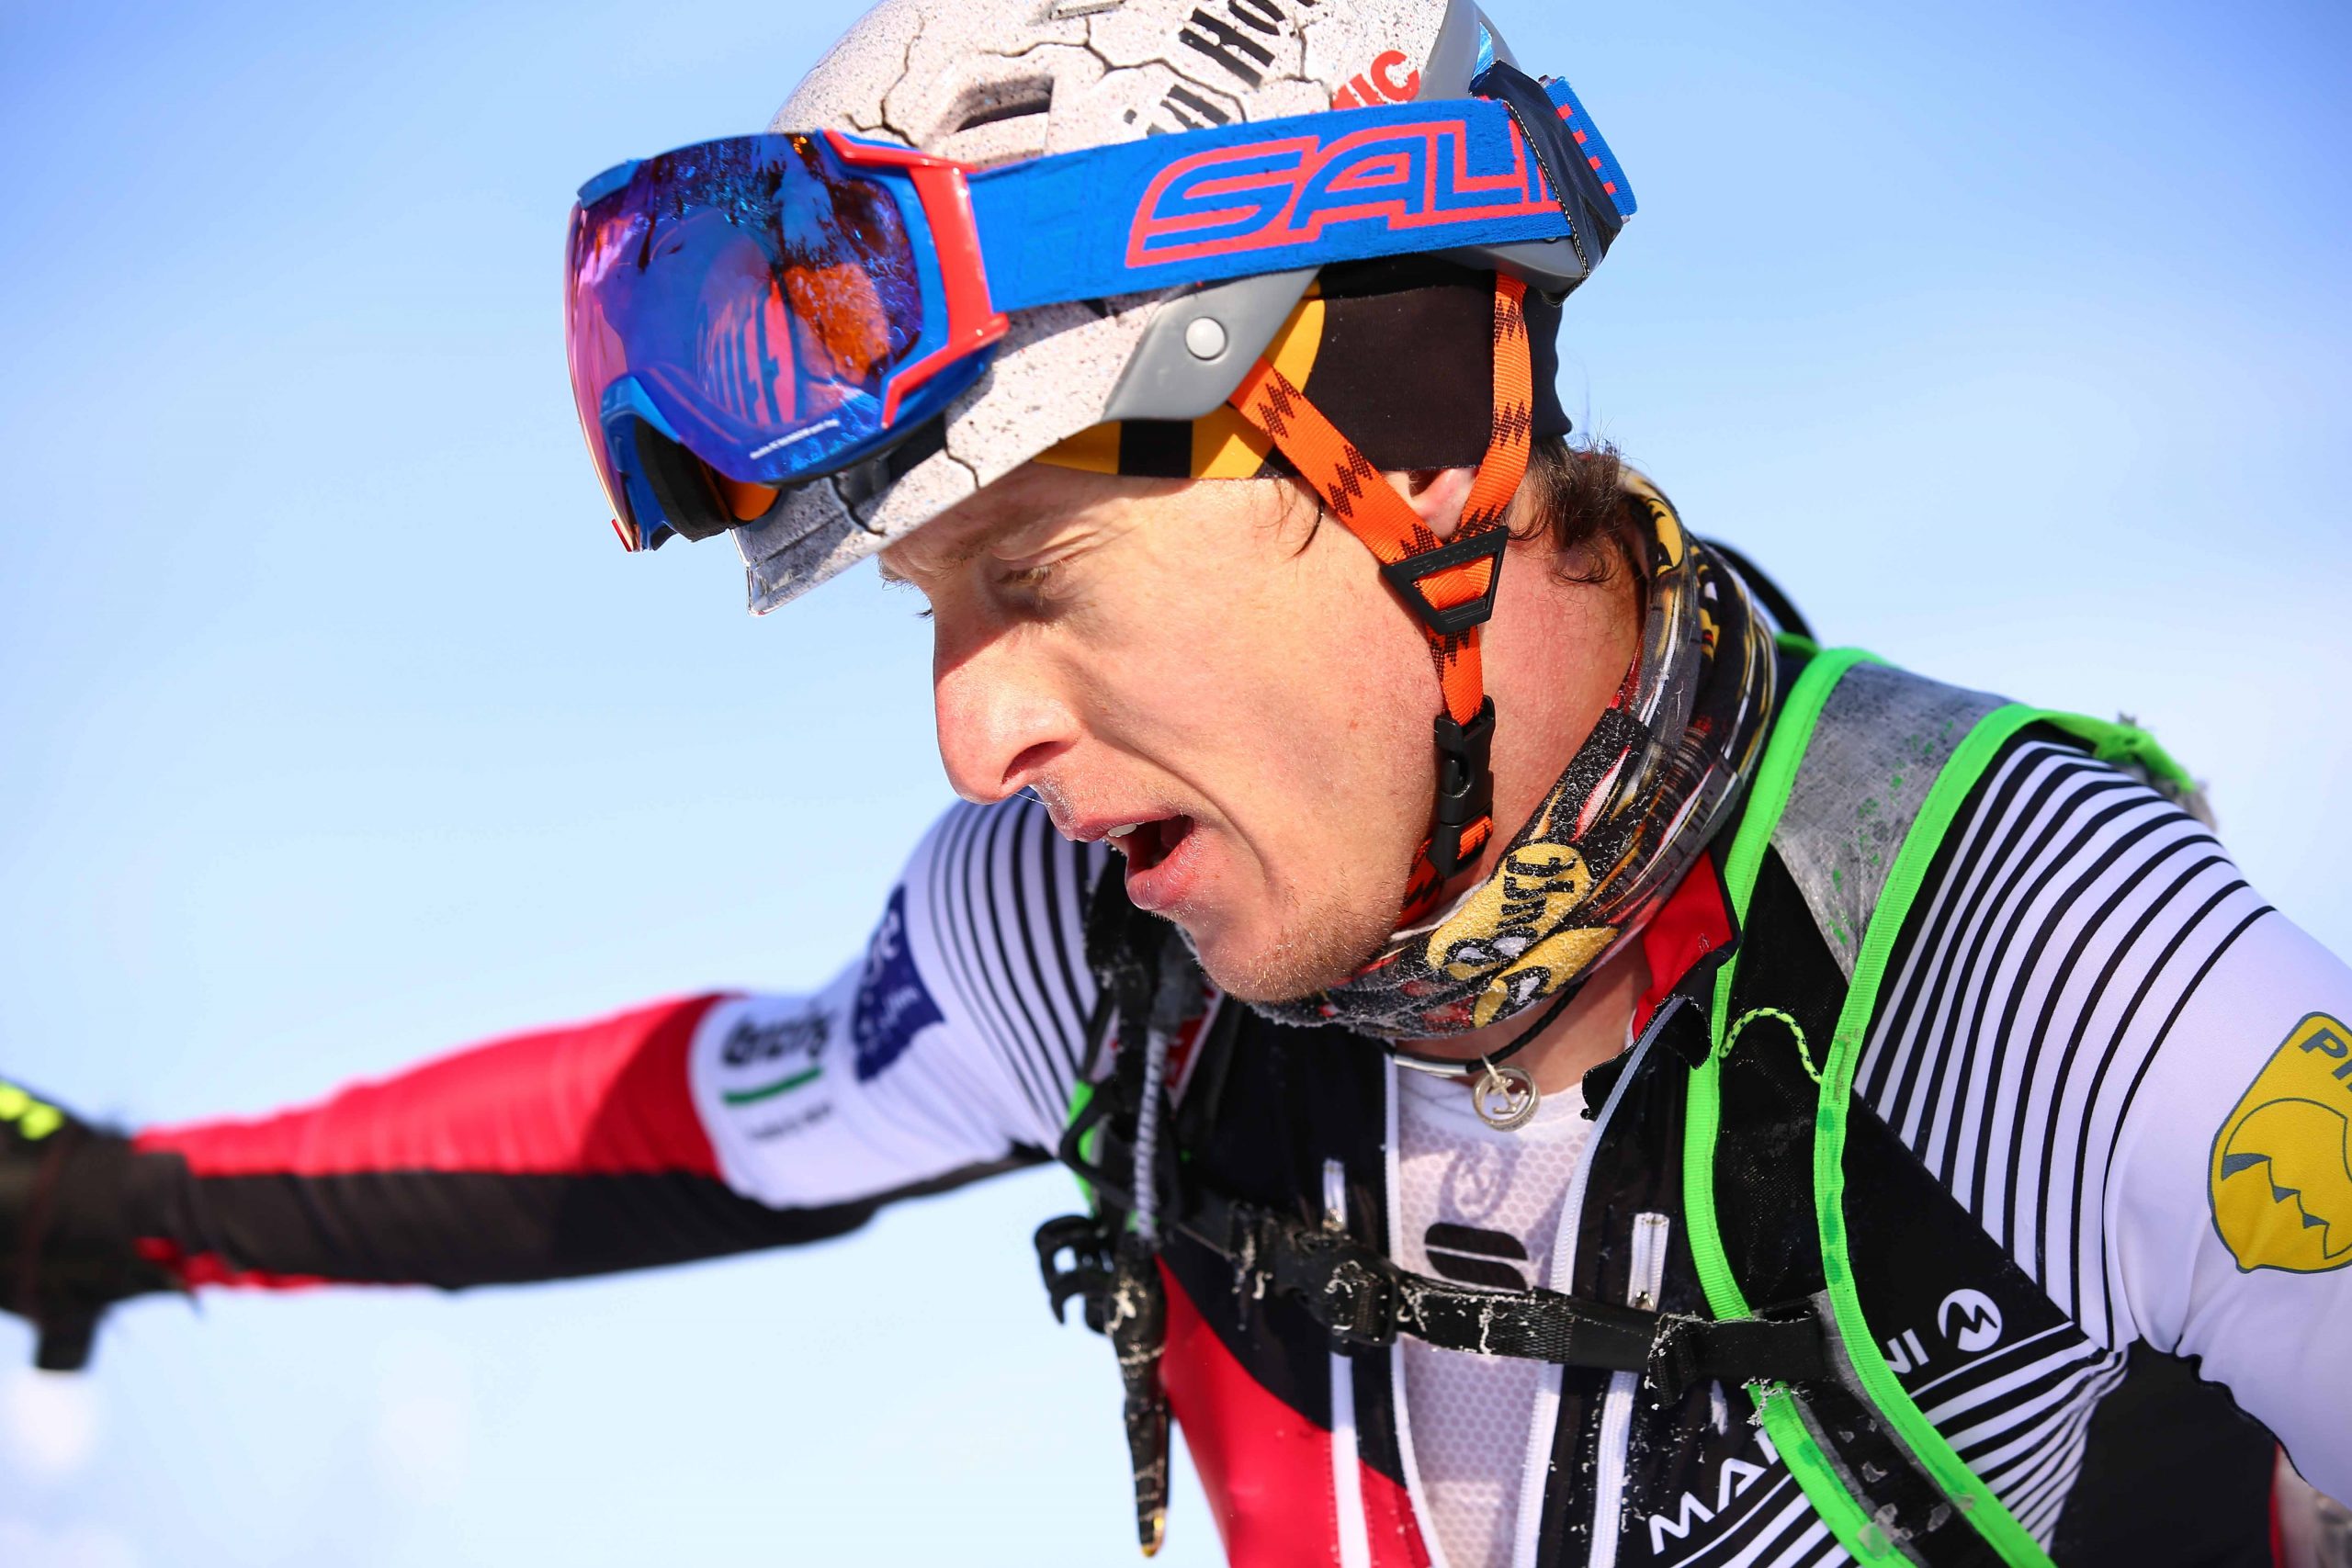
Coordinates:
<point>1528,1548</point>
<point>1650,1232</point>
<point>1347,1465</point>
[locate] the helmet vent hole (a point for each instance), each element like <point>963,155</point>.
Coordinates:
<point>1000,101</point>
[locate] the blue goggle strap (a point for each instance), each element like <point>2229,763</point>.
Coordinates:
<point>1308,190</point>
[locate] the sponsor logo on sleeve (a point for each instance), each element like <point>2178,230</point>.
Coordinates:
<point>797,1116</point>
<point>2280,1180</point>
<point>893,1006</point>
<point>790,1050</point>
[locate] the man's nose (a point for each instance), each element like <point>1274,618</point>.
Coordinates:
<point>1002,719</point>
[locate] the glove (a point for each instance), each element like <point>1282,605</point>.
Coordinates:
<point>66,1246</point>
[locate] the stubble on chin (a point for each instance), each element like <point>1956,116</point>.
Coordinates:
<point>1307,952</point>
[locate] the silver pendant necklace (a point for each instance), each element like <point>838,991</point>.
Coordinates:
<point>1505,1098</point>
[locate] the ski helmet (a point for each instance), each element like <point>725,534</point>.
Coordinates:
<point>929,371</point>
<point>986,81</point>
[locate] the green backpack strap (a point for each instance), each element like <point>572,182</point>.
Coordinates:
<point>1776,1406</point>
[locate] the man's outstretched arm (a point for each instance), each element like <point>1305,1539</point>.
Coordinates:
<point>686,1129</point>
<point>558,1153</point>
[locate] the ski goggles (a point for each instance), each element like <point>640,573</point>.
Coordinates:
<point>747,314</point>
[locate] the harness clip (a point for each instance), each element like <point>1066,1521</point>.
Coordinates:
<point>1674,1355</point>
<point>1088,1275</point>
<point>1465,788</point>
<point>1406,577</point>
<point>1348,1290</point>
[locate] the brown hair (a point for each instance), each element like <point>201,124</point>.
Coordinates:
<point>1573,492</point>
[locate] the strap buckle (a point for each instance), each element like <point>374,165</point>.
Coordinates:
<point>1086,1275</point>
<point>1675,1361</point>
<point>1465,788</point>
<point>1349,1290</point>
<point>1781,1344</point>
<point>1404,576</point>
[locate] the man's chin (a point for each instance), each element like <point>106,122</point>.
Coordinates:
<point>1285,965</point>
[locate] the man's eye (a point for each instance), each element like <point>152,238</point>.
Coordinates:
<point>1032,587</point>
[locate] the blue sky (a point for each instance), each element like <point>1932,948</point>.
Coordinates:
<point>2012,338</point>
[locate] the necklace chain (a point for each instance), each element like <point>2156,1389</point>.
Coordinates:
<point>1504,1098</point>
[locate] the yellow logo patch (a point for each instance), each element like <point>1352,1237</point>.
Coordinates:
<point>2281,1175</point>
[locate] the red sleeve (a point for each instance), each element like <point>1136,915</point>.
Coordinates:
<point>604,1098</point>
<point>556,1153</point>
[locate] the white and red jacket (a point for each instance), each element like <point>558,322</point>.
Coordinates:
<point>2089,963</point>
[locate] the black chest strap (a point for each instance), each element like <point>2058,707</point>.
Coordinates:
<point>1363,1299</point>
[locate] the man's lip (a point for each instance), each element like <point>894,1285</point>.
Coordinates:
<point>1172,874</point>
<point>1090,828</point>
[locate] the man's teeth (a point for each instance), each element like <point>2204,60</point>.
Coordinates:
<point>1121,832</point>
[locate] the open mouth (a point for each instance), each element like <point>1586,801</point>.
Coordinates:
<point>1147,844</point>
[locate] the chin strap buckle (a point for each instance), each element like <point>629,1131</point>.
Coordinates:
<point>1410,577</point>
<point>1447,586</point>
<point>1465,790</point>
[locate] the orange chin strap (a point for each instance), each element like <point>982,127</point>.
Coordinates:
<point>1448,584</point>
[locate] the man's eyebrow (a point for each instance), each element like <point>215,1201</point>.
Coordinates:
<point>976,540</point>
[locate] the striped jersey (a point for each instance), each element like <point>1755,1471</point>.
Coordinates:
<point>2079,995</point>
<point>2098,1053</point>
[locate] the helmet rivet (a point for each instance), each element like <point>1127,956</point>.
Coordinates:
<point>1205,336</point>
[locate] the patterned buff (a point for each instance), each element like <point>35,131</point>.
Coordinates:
<point>1643,795</point>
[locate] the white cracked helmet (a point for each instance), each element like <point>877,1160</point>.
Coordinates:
<point>986,82</point>
<point>768,338</point>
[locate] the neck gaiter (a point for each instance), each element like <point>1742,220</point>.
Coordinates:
<point>1642,796</point>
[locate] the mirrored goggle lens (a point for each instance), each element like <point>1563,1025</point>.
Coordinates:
<point>759,294</point>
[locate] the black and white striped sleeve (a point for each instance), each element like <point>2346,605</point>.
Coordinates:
<point>2084,1022</point>
<point>952,1044</point>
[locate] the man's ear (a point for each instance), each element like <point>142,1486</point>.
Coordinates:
<point>1436,495</point>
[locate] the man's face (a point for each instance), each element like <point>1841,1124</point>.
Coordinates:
<point>1200,662</point>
